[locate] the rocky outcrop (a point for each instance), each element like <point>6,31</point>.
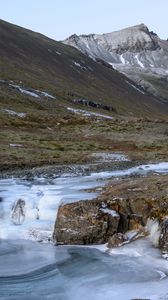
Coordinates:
<point>95,221</point>
<point>124,206</point>
<point>85,222</point>
<point>90,103</point>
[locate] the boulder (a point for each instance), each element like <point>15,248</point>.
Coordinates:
<point>85,222</point>
<point>124,205</point>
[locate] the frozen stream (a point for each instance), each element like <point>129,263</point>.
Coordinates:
<point>31,270</point>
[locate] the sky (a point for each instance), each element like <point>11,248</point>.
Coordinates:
<point>59,19</point>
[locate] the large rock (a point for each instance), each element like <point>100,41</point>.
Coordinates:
<point>163,241</point>
<point>85,222</point>
<point>123,206</point>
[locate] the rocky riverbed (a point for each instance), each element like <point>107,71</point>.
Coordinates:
<point>56,171</point>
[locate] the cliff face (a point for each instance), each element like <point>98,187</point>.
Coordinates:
<point>134,51</point>
<point>123,206</point>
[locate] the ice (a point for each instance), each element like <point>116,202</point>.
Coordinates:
<point>23,257</point>
<point>30,270</point>
<point>154,231</point>
<point>43,199</point>
<point>73,273</point>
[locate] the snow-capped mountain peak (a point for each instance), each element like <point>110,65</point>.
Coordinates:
<point>135,51</point>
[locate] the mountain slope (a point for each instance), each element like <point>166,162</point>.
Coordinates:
<point>135,51</point>
<point>58,106</point>
<point>40,62</point>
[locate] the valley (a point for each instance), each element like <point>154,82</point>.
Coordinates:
<point>83,165</point>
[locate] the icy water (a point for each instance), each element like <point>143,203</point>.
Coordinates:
<point>32,270</point>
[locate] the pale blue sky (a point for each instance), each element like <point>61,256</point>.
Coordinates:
<point>60,18</point>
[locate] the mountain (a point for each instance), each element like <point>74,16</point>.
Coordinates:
<point>58,105</point>
<point>42,63</point>
<point>135,51</point>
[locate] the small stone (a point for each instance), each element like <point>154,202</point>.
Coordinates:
<point>117,240</point>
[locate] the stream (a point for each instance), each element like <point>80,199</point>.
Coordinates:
<point>33,270</point>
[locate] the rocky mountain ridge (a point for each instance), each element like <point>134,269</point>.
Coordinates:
<point>135,51</point>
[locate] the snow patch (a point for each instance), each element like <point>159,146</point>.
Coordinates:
<point>113,65</point>
<point>139,62</point>
<point>45,94</point>
<point>23,91</point>
<point>57,52</point>
<point>111,212</point>
<point>79,65</point>
<point>122,59</point>
<point>14,113</point>
<point>15,145</point>
<point>105,157</point>
<point>135,87</point>
<point>88,113</point>
<point>32,93</point>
